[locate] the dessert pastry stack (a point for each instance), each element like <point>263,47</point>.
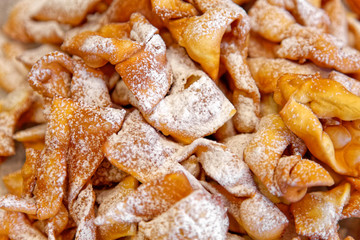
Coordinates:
<point>181,119</point>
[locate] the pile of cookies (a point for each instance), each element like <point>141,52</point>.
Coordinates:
<point>197,119</point>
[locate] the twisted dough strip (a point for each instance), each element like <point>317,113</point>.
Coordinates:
<point>220,34</point>
<point>195,107</point>
<point>45,21</point>
<point>16,225</point>
<point>315,98</point>
<point>11,107</point>
<point>300,43</point>
<point>140,60</point>
<point>266,72</point>
<point>259,217</point>
<point>121,11</point>
<point>77,101</point>
<point>12,72</point>
<point>58,75</point>
<point>141,151</point>
<point>317,214</point>
<point>287,177</point>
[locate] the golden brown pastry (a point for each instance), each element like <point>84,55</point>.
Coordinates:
<point>287,177</point>
<point>318,213</point>
<point>311,95</point>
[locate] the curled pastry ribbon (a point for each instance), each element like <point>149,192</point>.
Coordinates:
<point>58,75</point>
<point>299,42</point>
<point>219,35</point>
<point>11,107</point>
<point>140,57</point>
<point>324,211</point>
<point>315,98</point>
<point>45,21</point>
<point>287,177</point>
<point>154,156</point>
<point>137,52</point>
<point>79,97</point>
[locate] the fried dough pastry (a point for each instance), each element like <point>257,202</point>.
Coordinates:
<point>224,40</point>
<point>68,150</point>
<point>161,156</point>
<point>148,200</point>
<point>199,215</point>
<point>246,96</point>
<point>120,11</point>
<point>107,174</point>
<point>12,72</point>
<point>323,50</point>
<point>59,11</point>
<point>318,213</point>
<point>352,208</point>
<point>51,175</point>
<point>173,9</point>
<point>32,134</point>
<point>272,22</point>
<point>13,183</point>
<point>260,47</point>
<point>108,201</point>
<point>29,169</point>
<point>287,177</point>
<point>300,43</point>
<point>183,71</point>
<point>201,35</point>
<point>308,15</point>
<point>17,226</point>
<point>259,217</point>
<point>45,21</point>
<point>14,203</point>
<point>30,56</point>
<point>337,12</point>
<point>312,96</point>
<point>140,60</point>
<point>351,84</point>
<point>58,75</point>
<point>139,150</point>
<point>21,26</point>
<point>11,108</point>
<point>266,71</point>
<point>57,224</point>
<point>195,106</point>
<point>83,213</point>
<point>354,28</point>
<point>105,121</point>
<point>200,39</point>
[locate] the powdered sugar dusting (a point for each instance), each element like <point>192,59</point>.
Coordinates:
<point>198,216</point>
<point>196,112</point>
<point>261,217</point>
<point>265,149</point>
<point>227,169</point>
<point>310,15</point>
<point>21,228</point>
<point>323,49</point>
<point>90,128</point>
<point>328,207</point>
<point>146,74</point>
<point>140,150</point>
<point>83,213</point>
<point>351,84</point>
<point>88,87</point>
<point>98,43</point>
<point>13,203</point>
